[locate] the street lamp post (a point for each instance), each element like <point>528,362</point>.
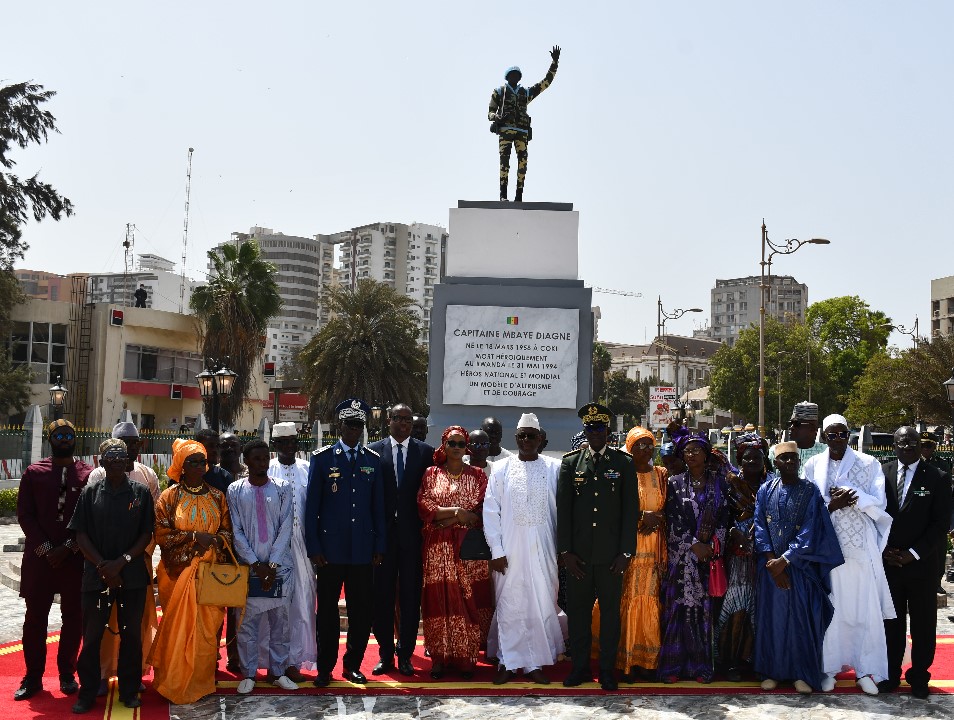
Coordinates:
<point>661,317</point>
<point>213,386</point>
<point>58,398</point>
<point>787,248</point>
<point>949,387</point>
<point>779,388</point>
<point>912,333</point>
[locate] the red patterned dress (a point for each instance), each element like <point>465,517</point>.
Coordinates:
<point>457,602</point>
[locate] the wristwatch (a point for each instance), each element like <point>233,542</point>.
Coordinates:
<point>127,557</point>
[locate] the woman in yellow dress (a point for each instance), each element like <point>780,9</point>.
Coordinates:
<point>192,524</point>
<point>639,608</point>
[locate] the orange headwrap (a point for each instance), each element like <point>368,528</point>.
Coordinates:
<point>637,434</point>
<point>181,449</point>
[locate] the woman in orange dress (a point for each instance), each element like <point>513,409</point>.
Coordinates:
<point>192,524</point>
<point>638,653</point>
<point>457,600</point>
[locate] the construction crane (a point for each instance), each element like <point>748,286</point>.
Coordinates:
<point>185,233</point>
<point>608,291</point>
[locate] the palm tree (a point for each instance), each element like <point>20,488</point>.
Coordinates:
<point>232,313</point>
<point>602,362</point>
<point>369,350</point>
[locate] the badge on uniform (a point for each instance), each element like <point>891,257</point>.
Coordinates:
<point>579,481</point>
<point>611,474</point>
<point>333,474</point>
<point>367,470</point>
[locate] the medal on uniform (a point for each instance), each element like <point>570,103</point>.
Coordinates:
<point>333,474</point>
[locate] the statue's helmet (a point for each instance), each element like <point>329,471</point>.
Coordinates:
<point>513,68</point>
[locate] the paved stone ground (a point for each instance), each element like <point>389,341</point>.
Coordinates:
<point>737,707</point>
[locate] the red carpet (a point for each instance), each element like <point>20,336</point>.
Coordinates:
<point>51,703</point>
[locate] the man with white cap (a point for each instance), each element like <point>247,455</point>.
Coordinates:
<point>852,485</point>
<point>135,470</point>
<point>520,516</point>
<point>303,650</point>
<point>803,430</point>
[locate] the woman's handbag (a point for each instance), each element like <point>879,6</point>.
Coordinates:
<point>718,583</point>
<point>222,584</point>
<point>474,546</point>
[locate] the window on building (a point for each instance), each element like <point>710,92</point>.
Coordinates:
<point>41,345</point>
<point>161,364</point>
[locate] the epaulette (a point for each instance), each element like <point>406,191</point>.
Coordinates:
<point>373,452</point>
<point>323,449</point>
<point>573,452</point>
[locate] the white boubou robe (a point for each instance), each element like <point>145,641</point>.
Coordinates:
<point>519,514</point>
<point>860,591</point>
<point>303,652</point>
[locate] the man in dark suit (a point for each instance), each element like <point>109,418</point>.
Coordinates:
<point>403,462</point>
<point>597,521</point>
<point>344,536</point>
<point>919,500</point>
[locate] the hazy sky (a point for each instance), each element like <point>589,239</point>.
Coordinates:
<point>674,127</point>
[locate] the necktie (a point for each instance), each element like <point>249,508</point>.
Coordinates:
<point>901,477</point>
<point>400,465</point>
<point>351,457</point>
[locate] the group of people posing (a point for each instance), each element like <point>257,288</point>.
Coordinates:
<point>792,564</point>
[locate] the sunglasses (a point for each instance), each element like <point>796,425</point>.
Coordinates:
<point>693,451</point>
<point>910,445</point>
<point>354,423</point>
<point>456,444</point>
<point>480,445</point>
<point>63,436</point>
<point>528,436</point>
<point>402,418</point>
<point>643,446</point>
<point>838,435</point>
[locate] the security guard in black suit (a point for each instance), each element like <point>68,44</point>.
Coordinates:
<point>345,534</point>
<point>597,522</point>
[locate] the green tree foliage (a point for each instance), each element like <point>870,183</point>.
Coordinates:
<point>232,313</point>
<point>23,122</point>
<point>368,350</point>
<point>625,397</point>
<point>850,333</point>
<point>900,389</point>
<point>602,362</point>
<point>734,381</point>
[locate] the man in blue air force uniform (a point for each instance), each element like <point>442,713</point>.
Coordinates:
<point>344,535</point>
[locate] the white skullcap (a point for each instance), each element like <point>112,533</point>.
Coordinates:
<point>529,420</point>
<point>125,429</point>
<point>284,429</point>
<point>834,420</point>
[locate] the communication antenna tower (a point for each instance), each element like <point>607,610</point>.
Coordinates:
<point>127,262</point>
<point>185,233</point>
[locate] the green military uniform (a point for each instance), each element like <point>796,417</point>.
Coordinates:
<point>597,520</point>
<point>508,111</point>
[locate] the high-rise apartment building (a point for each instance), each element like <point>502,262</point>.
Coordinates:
<point>408,257</point>
<point>942,306</point>
<point>735,304</point>
<point>305,269</point>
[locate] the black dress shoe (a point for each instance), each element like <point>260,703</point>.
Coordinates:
<point>608,682</point>
<point>27,690</point>
<point>888,686</point>
<point>405,667</point>
<point>83,705</point>
<point>68,685</point>
<point>132,702</point>
<point>382,667</point>
<point>354,676</point>
<point>920,691</point>
<point>322,680</point>
<point>577,677</point>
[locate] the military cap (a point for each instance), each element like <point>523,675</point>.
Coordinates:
<point>352,409</point>
<point>595,414</point>
<point>928,437</point>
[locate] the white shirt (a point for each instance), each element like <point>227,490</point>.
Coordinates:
<point>394,456</point>
<point>906,481</point>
